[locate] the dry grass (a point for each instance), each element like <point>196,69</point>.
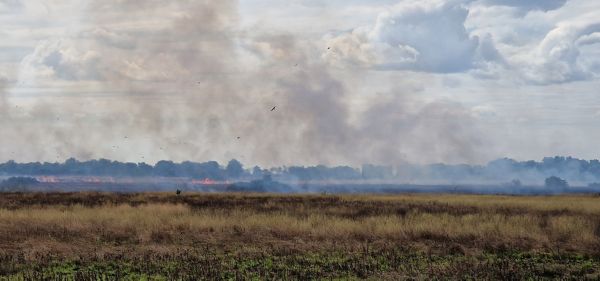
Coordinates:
<point>246,236</point>
<point>474,223</point>
<point>575,203</point>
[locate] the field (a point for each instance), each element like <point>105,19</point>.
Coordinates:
<point>159,236</point>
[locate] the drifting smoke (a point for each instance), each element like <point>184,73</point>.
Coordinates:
<point>503,176</point>
<point>3,102</point>
<point>173,81</point>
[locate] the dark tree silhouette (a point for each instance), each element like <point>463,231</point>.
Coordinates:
<point>556,183</point>
<point>234,169</point>
<point>15,184</point>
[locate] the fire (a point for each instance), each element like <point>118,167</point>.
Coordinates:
<point>205,181</point>
<point>48,179</point>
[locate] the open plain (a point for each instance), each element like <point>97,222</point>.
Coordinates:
<point>160,236</point>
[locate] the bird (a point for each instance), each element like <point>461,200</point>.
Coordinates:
<point>238,138</point>
<point>273,109</point>
<point>178,192</point>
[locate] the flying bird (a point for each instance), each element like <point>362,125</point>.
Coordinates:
<point>273,109</point>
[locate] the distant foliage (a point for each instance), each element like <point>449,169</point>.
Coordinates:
<point>321,172</point>
<point>104,167</point>
<point>234,169</point>
<point>18,184</point>
<point>516,183</point>
<point>556,183</point>
<point>594,185</point>
<point>498,171</point>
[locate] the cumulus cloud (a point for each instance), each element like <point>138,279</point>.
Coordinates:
<point>428,36</point>
<point>425,36</point>
<point>432,36</point>
<point>558,57</point>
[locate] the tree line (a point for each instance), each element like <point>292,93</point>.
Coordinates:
<point>501,170</point>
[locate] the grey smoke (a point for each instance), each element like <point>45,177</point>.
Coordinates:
<point>180,90</point>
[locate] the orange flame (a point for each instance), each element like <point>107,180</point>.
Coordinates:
<point>205,181</point>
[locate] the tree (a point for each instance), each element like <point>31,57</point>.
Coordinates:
<point>165,169</point>
<point>556,183</point>
<point>234,169</point>
<point>515,183</point>
<point>257,172</point>
<point>18,184</point>
<point>594,185</point>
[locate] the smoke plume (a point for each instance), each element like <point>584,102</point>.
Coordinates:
<point>181,80</point>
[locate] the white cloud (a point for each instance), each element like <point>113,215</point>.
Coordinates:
<point>427,36</point>
<point>559,58</point>
<point>550,44</point>
<point>53,60</point>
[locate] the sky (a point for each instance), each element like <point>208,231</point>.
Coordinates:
<point>352,82</point>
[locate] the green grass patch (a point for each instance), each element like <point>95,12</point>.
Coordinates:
<point>375,265</point>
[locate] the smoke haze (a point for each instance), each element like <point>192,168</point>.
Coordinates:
<point>173,81</point>
<point>340,83</point>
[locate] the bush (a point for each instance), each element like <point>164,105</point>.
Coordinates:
<point>18,184</point>
<point>556,183</point>
<point>594,185</point>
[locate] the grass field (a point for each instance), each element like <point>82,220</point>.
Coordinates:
<point>154,236</point>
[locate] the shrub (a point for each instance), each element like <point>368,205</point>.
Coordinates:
<point>556,183</point>
<point>18,184</point>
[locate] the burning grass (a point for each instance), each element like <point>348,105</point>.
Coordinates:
<point>336,236</point>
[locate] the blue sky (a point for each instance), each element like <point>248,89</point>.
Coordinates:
<point>456,81</point>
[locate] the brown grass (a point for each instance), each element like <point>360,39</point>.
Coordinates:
<point>67,225</point>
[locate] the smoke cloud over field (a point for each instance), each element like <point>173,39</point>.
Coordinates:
<point>180,80</point>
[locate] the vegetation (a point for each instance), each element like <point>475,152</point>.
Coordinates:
<point>91,236</point>
<point>16,184</point>
<point>578,171</point>
<point>556,182</point>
